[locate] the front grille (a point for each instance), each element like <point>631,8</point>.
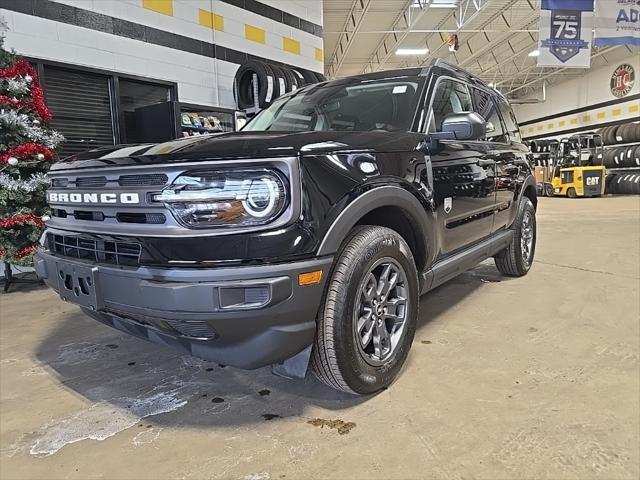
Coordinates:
<point>100,251</point>
<point>60,182</point>
<point>192,328</point>
<point>138,180</point>
<point>141,180</point>
<point>84,215</point>
<point>154,218</point>
<point>91,182</point>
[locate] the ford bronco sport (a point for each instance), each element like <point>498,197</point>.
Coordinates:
<point>310,235</point>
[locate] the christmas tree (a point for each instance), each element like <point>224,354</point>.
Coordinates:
<point>27,147</point>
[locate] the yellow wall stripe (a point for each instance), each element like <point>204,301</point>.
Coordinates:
<point>211,20</point>
<point>633,108</point>
<point>161,6</point>
<point>319,55</point>
<point>601,115</point>
<point>574,121</point>
<point>586,118</point>
<point>255,34</point>
<point>290,45</point>
<point>561,123</point>
<point>549,126</point>
<point>616,112</point>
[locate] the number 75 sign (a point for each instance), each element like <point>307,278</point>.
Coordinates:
<point>565,33</point>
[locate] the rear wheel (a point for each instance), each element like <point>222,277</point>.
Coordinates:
<point>516,259</point>
<point>571,193</point>
<point>368,316</point>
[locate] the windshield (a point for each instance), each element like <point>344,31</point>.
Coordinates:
<point>375,105</point>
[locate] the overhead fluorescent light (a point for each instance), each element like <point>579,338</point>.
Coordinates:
<point>443,4</point>
<point>434,3</point>
<point>534,53</point>
<point>412,51</point>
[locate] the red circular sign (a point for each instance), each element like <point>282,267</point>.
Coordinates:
<point>622,80</point>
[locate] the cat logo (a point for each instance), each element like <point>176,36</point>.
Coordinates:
<point>448,204</point>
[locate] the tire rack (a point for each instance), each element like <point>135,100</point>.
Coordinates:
<point>621,170</point>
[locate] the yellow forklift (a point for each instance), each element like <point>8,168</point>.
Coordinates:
<point>578,168</point>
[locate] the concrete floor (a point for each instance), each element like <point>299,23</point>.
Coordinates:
<point>533,377</point>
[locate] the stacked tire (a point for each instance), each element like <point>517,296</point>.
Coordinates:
<point>622,157</point>
<point>625,133</point>
<point>273,81</point>
<point>542,146</point>
<point>622,184</point>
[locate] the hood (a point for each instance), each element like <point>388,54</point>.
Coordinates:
<point>243,145</point>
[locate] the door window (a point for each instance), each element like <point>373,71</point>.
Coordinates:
<point>485,106</point>
<point>450,97</point>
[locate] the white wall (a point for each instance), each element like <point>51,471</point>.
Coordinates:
<point>591,89</point>
<point>200,79</point>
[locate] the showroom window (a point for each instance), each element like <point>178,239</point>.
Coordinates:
<point>450,97</point>
<point>132,95</point>
<point>96,108</point>
<point>80,103</point>
<point>485,106</point>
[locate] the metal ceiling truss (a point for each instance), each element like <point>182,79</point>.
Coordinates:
<point>464,13</point>
<point>357,12</point>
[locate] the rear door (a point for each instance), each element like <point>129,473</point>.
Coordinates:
<point>463,173</point>
<point>509,160</point>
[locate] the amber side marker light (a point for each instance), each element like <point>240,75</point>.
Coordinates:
<point>309,278</point>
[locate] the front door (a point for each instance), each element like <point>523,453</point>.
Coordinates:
<point>463,173</point>
<point>464,193</point>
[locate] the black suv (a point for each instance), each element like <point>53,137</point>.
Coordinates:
<point>308,236</point>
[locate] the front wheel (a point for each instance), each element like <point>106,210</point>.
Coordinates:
<point>516,259</point>
<point>571,193</point>
<point>367,319</point>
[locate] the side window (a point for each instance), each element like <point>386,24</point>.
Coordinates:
<point>485,106</point>
<point>450,97</point>
<point>510,121</point>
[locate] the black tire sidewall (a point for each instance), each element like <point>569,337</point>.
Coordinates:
<point>525,206</point>
<point>361,376</point>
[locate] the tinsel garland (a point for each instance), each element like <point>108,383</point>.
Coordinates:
<point>33,183</point>
<point>13,119</point>
<point>20,254</point>
<point>17,87</point>
<point>25,151</point>
<point>16,220</point>
<point>24,68</point>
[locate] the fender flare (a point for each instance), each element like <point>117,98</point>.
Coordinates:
<point>529,181</point>
<point>384,196</point>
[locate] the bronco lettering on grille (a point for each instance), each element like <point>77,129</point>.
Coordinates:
<point>93,197</point>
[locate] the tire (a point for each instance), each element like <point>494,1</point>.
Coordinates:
<point>320,77</point>
<point>636,132</point>
<point>280,82</point>
<point>636,157</point>
<point>548,190</point>
<point>617,133</point>
<point>516,260</point>
<point>299,77</point>
<point>338,358</point>
<point>571,193</point>
<point>309,76</point>
<point>243,84</point>
<point>292,80</point>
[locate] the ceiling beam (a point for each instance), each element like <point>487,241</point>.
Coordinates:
<point>357,12</point>
<point>404,22</point>
<point>604,51</point>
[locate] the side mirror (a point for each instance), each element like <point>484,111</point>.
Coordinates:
<point>465,126</point>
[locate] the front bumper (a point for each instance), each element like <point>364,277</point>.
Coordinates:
<point>246,317</point>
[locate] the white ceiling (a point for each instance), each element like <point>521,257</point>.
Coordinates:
<point>495,39</point>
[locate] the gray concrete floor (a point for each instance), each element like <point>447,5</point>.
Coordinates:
<point>532,377</point>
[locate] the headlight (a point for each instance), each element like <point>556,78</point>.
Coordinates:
<point>231,198</point>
